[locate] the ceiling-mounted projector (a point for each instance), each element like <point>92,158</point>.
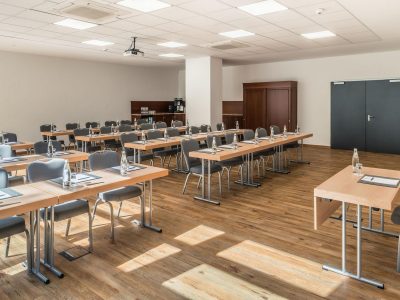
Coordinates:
<point>132,50</point>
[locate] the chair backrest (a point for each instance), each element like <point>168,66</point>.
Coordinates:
<point>141,121</point>
<point>219,126</point>
<point>161,125</point>
<point>103,159</point>
<point>12,137</point>
<point>93,124</point>
<point>172,131</point>
<point>189,145</point>
<point>45,170</point>
<point>109,123</point>
<point>81,131</point>
<point>218,140</point>
<point>47,127</point>
<point>124,128</point>
<point>41,147</point>
<point>154,134</point>
<point>146,126</point>
<point>229,137</point>
<point>125,122</point>
<point>203,128</point>
<point>3,179</point>
<point>5,151</point>
<point>105,129</point>
<point>128,138</point>
<point>178,123</point>
<point>248,134</point>
<point>277,130</point>
<point>262,132</point>
<point>195,129</point>
<point>71,126</point>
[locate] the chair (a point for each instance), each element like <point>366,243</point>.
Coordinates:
<point>219,126</point>
<point>194,164</point>
<point>141,121</point>
<point>228,163</point>
<point>125,122</point>
<point>262,132</point>
<point>40,171</point>
<point>177,123</point>
<point>162,153</point>
<point>6,152</point>
<point>11,137</point>
<point>47,128</point>
<point>79,144</point>
<point>125,128</point>
<point>249,134</point>
<point>195,129</point>
<point>108,144</point>
<point>93,124</point>
<point>109,123</point>
<point>204,128</point>
<point>107,159</point>
<point>229,138</point>
<point>132,137</point>
<point>11,226</point>
<point>396,220</point>
<point>161,125</point>
<point>276,128</point>
<point>146,126</point>
<point>41,147</point>
<point>71,137</point>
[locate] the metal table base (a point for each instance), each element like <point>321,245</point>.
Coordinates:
<point>204,197</point>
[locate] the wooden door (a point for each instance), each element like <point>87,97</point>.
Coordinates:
<point>254,108</point>
<point>278,108</point>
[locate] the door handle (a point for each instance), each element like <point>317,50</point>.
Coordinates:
<point>370,118</point>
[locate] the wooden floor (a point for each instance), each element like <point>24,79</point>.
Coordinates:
<point>259,244</point>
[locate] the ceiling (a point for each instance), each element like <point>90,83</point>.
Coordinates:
<point>27,26</point>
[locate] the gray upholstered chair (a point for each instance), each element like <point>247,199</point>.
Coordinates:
<point>203,128</point>
<point>195,129</point>
<point>248,134</point>
<point>11,137</point>
<point>229,138</point>
<point>93,124</point>
<point>161,125</point>
<point>396,220</point>
<point>126,122</point>
<point>108,159</point>
<point>228,163</point>
<point>219,126</point>
<point>162,153</point>
<point>71,137</point>
<point>109,123</point>
<point>130,137</point>
<point>276,128</point>
<point>178,123</point>
<point>108,144</point>
<point>124,128</point>
<point>262,132</point>
<point>47,128</point>
<point>5,151</point>
<point>141,121</point>
<point>146,126</point>
<point>194,164</point>
<point>11,225</point>
<point>46,170</point>
<point>41,147</point>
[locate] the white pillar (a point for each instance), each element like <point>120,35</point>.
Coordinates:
<point>203,89</point>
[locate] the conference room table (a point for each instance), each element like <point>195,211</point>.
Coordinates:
<point>245,149</point>
<point>46,194</point>
<point>20,145</point>
<point>346,188</point>
<point>16,163</point>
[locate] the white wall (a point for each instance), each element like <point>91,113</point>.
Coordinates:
<point>314,77</point>
<point>37,89</point>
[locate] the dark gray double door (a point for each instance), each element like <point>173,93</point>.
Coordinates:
<point>366,115</point>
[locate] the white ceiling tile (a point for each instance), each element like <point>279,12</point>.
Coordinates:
<point>174,13</point>
<point>24,22</point>
<point>247,22</point>
<point>204,6</point>
<point>299,3</point>
<point>333,41</point>
<point>44,33</point>
<point>104,29</point>
<point>236,3</point>
<point>172,27</point>
<point>333,17</point>
<point>10,10</point>
<point>39,16</point>
<point>308,29</point>
<point>264,29</point>
<point>149,31</point>
<point>147,20</point>
<point>199,21</point>
<point>328,7</point>
<point>125,25</point>
<point>228,15</point>
<point>59,29</point>
<point>22,3</point>
<point>13,28</point>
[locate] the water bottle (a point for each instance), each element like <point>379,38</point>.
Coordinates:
<point>297,129</point>
<point>124,163</point>
<point>256,136</point>
<point>79,124</point>
<point>272,132</point>
<point>237,125</point>
<point>143,137</point>
<point>214,145</point>
<point>135,124</point>
<point>50,148</point>
<point>2,137</point>
<point>90,130</point>
<point>187,122</point>
<point>222,126</point>
<point>172,123</point>
<point>112,128</point>
<point>190,132</point>
<point>165,134</point>
<point>154,125</point>
<point>66,174</point>
<point>284,131</point>
<point>208,128</point>
<point>235,141</point>
<point>355,160</point>
<point>118,123</point>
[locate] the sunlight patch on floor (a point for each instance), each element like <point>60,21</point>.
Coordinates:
<point>13,270</point>
<point>160,252</point>
<point>199,235</point>
<point>206,282</point>
<point>292,269</point>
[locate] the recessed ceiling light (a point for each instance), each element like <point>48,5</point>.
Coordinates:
<point>98,43</point>
<point>172,44</point>
<point>263,7</point>
<point>76,24</point>
<point>171,55</point>
<point>144,5</point>
<point>236,33</point>
<point>318,35</point>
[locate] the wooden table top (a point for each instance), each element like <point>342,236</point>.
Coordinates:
<point>245,148</point>
<point>20,145</point>
<point>344,187</point>
<point>73,157</point>
<point>109,180</point>
<point>31,199</point>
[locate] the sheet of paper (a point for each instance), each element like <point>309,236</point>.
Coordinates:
<point>381,180</point>
<point>4,195</point>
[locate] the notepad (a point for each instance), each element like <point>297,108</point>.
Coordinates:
<point>61,153</point>
<point>8,193</point>
<point>248,142</point>
<point>11,159</point>
<point>231,147</point>
<point>381,181</point>
<point>264,138</point>
<point>130,168</point>
<point>209,150</point>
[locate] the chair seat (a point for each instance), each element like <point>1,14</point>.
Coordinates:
<point>214,168</point>
<point>231,162</point>
<point>267,152</point>
<point>68,210</point>
<point>166,152</point>
<point>396,215</point>
<point>16,179</point>
<point>121,194</point>
<point>10,226</point>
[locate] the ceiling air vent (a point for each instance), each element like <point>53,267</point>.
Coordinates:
<point>228,45</point>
